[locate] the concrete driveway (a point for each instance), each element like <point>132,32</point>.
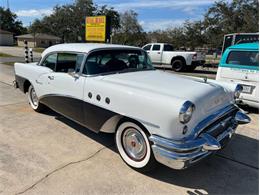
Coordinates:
<point>16,51</point>
<point>48,154</point>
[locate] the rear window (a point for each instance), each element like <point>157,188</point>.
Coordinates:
<point>246,58</point>
<point>168,48</point>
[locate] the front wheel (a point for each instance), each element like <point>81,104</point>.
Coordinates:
<point>134,147</point>
<point>34,101</point>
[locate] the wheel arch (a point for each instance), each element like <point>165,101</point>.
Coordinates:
<point>111,125</point>
<point>179,58</point>
<point>26,85</point>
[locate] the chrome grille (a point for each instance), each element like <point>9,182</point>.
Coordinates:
<point>220,125</point>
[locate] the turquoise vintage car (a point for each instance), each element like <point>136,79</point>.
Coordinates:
<point>240,64</point>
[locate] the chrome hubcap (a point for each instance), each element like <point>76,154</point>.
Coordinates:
<point>34,97</point>
<point>134,144</point>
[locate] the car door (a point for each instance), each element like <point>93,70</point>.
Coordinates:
<point>156,54</point>
<point>64,87</point>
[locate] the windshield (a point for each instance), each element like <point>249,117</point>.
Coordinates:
<point>121,60</point>
<point>247,58</point>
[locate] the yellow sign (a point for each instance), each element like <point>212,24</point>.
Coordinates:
<point>96,28</point>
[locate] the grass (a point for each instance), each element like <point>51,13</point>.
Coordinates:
<point>5,55</point>
<point>38,49</point>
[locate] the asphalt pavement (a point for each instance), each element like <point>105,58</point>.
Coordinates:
<point>49,154</point>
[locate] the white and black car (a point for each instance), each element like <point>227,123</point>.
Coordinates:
<point>156,116</point>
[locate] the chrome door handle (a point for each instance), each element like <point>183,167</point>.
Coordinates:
<point>51,77</point>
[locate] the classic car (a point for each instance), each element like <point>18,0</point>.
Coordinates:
<point>156,116</point>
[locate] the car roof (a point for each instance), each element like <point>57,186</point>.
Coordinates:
<point>254,45</point>
<point>83,47</point>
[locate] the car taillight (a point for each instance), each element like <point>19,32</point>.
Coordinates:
<point>194,57</point>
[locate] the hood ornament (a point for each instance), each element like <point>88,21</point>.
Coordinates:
<point>205,79</point>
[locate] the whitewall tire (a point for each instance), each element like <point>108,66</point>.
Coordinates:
<point>33,100</point>
<point>134,147</point>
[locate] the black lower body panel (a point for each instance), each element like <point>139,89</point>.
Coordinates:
<point>20,82</point>
<point>88,115</point>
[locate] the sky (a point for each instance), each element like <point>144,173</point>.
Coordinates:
<point>152,14</point>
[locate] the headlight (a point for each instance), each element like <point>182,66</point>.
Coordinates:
<point>238,91</point>
<point>186,112</point>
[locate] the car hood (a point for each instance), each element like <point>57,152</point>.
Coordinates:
<point>168,84</point>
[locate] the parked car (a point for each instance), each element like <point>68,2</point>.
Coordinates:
<point>156,116</point>
<point>240,64</point>
<point>165,54</point>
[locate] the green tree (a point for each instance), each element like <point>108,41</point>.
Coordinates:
<point>112,14</point>
<point>194,34</point>
<point>68,21</point>
<point>9,22</point>
<point>130,31</point>
<point>234,17</point>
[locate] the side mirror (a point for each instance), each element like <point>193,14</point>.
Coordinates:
<point>72,73</point>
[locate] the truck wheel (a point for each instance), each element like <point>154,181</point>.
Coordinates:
<point>34,101</point>
<point>178,65</point>
<point>134,147</point>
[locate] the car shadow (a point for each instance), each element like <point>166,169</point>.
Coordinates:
<point>106,139</point>
<point>234,170</point>
<point>249,109</point>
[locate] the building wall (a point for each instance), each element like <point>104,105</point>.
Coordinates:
<point>6,39</point>
<point>20,42</point>
<point>38,42</point>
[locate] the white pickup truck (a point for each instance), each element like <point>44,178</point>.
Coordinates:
<point>164,54</point>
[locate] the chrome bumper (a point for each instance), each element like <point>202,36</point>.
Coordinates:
<point>182,154</point>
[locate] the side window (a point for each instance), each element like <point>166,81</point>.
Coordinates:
<point>69,62</point>
<point>168,48</point>
<point>156,47</point>
<point>247,58</point>
<point>50,61</point>
<point>147,47</point>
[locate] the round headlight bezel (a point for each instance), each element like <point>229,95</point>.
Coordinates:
<point>238,91</point>
<point>186,112</point>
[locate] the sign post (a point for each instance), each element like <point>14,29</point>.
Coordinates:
<point>97,29</point>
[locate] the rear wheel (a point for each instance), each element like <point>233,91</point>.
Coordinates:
<point>34,101</point>
<point>178,65</point>
<point>134,147</point>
